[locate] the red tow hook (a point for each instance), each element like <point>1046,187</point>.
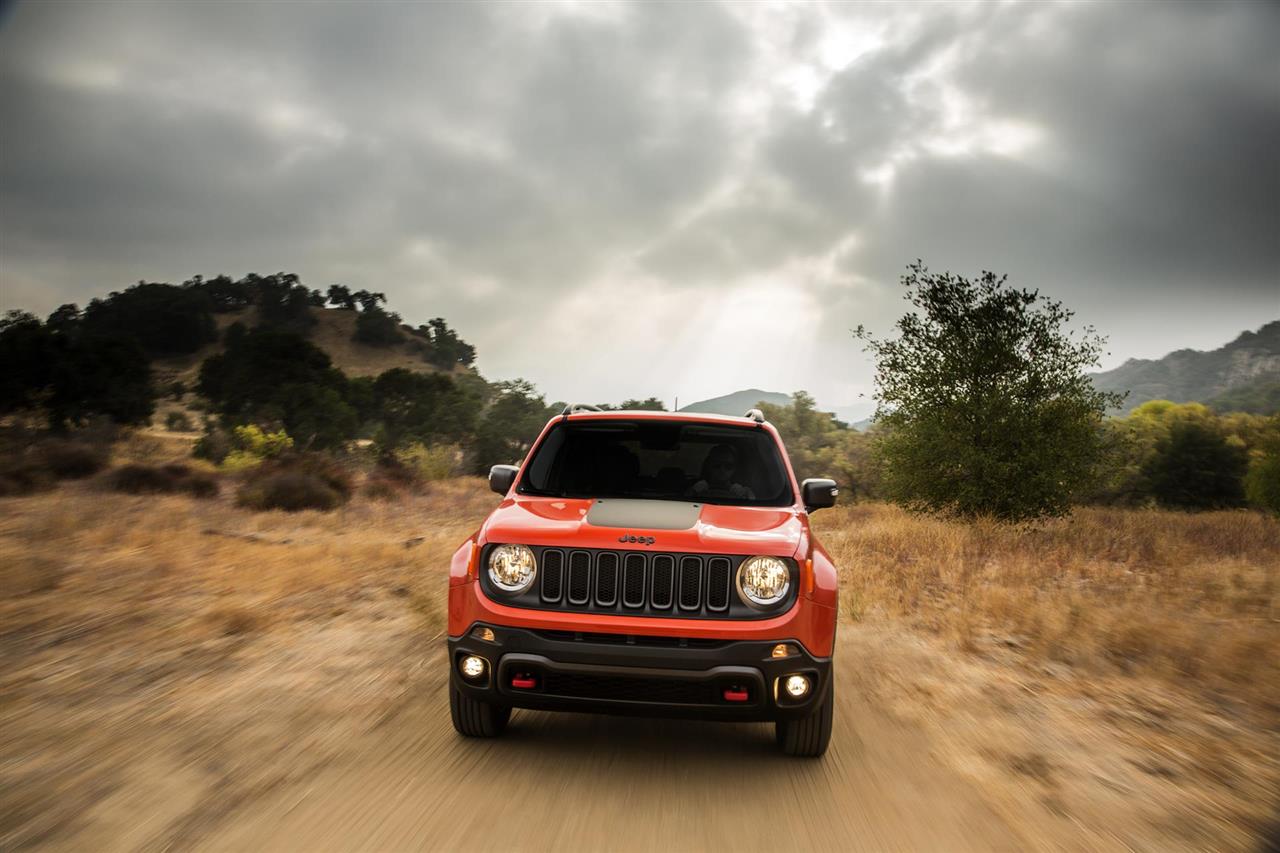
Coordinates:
<point>523,681</point>
<point>736,694</point>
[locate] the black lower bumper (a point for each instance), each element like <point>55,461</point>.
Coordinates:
<point>650,676</point>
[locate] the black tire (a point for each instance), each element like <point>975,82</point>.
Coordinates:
<point>474,718</point>
<point>808,737</point>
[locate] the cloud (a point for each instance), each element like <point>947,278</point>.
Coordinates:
<point>686,195</point>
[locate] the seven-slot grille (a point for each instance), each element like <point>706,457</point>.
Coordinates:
<point>638,583</point>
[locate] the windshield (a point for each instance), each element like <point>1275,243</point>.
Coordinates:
<point>658,460</point>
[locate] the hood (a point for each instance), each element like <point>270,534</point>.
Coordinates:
<point>673,526</point>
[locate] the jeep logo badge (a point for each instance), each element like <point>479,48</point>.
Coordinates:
<point>643,540</point>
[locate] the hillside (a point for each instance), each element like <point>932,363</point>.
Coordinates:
<point>333,333</point>
<point>1195,376</point>
<point>738,402</point>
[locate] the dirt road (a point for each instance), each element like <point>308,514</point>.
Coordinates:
<point>578,782</point>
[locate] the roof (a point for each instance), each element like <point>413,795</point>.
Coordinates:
<point>648,415</point>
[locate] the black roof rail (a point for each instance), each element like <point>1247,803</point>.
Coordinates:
<point>574,408</point>
<point>755,415</point>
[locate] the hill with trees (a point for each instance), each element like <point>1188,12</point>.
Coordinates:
<point>1242,375</point>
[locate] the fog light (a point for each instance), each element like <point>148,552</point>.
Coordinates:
<point>471,666</point>
<point>783,650</point>
<point>797,686</point>
<point>485,634</point>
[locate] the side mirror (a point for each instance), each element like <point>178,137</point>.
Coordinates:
<point>817,493</point>
<point>501,478</point>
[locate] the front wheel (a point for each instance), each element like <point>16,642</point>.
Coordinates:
<point>808,737</point>
<point>474,718</point>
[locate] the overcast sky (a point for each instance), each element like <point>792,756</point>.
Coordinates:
<point>659,198</point>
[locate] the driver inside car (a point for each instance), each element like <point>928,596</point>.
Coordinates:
<point>718,471</point>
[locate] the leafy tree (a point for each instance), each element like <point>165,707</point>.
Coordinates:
<point>441,347</point>
<point>225,294</point>
<point>280,377</point>
<point>821,446</point>
<point>1196,466</point>
<point>651,404</point>
<point>283,303</point>
<point>72,374</point>
<point>341,297</point>
<point>983,400</point>
<point>421,407</point>
<point>377,327</point>
<point>369,301</point>
<point>163,319</point>
<point>1262,482</point>
<point>509,426</point>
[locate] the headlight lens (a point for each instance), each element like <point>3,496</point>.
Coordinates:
<point>763,581</point>
<point>512,568</point>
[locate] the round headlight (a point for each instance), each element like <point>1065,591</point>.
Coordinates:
<point>763,581</point>
<point>512,568</point>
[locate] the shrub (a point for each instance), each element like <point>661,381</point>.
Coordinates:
<point>160,479</point>
<point>177,422</point>
<point>214,445</point>
<point>251,446</point>
<point>22,477</point>
<point>296,482</point>
<point>379,489</point>
<point>69,459</point>
<point>291,491</point>
<point>1196,466</point>
<point>1262,483</point>
<point>430,463</point>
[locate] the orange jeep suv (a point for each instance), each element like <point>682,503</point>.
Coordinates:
<point>651,563</point>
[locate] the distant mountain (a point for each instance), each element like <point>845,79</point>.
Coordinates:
<point>738,402</point>
<point>1188,375</point>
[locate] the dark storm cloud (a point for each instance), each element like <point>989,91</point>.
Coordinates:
<point>738,171</point>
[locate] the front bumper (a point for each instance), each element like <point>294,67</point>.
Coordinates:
<point>628,674</point>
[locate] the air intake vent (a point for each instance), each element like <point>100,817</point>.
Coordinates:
<point>633,580</point>
<point>552,574</point>
<point>690,583</point>
<point>607,580</point>
<point>719,573</point>
<point>664,571</point>
<point>579,577</point>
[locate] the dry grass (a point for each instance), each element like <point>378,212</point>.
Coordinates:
<point>170,657</point>
<point>167,657</point>
<point>1191,598</point>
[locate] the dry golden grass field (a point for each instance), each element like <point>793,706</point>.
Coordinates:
<point>167,664</point>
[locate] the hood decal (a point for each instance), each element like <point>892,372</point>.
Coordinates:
<point>639,514</point>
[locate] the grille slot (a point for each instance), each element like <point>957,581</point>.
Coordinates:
<point>690,583</point>
<point>633,580</point>
<point>552,574</point>
<point>607,580</point>
<point>579,577</point>
<point>663,571</point>
<point>719,572</point>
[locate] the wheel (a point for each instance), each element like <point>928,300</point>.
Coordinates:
<point>474,718</point>
<point>808,737</point>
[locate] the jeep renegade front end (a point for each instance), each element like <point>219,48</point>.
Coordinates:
<point>649,563</point>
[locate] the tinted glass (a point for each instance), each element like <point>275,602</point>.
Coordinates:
<point>659,460</point>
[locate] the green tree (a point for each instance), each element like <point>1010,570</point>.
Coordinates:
<point>377,327</point>
<point>72,374</point>
<point>164,320</point>
<point>1196,466</point>
<point>821,446</point>
<point>983,401</point>
<point>422,407</point>
<point>340,296</point>
<point>1262,482</point>
<point>510,424</point>
<point>280,378</point>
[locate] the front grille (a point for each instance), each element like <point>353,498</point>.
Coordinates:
<point>637,583</point>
